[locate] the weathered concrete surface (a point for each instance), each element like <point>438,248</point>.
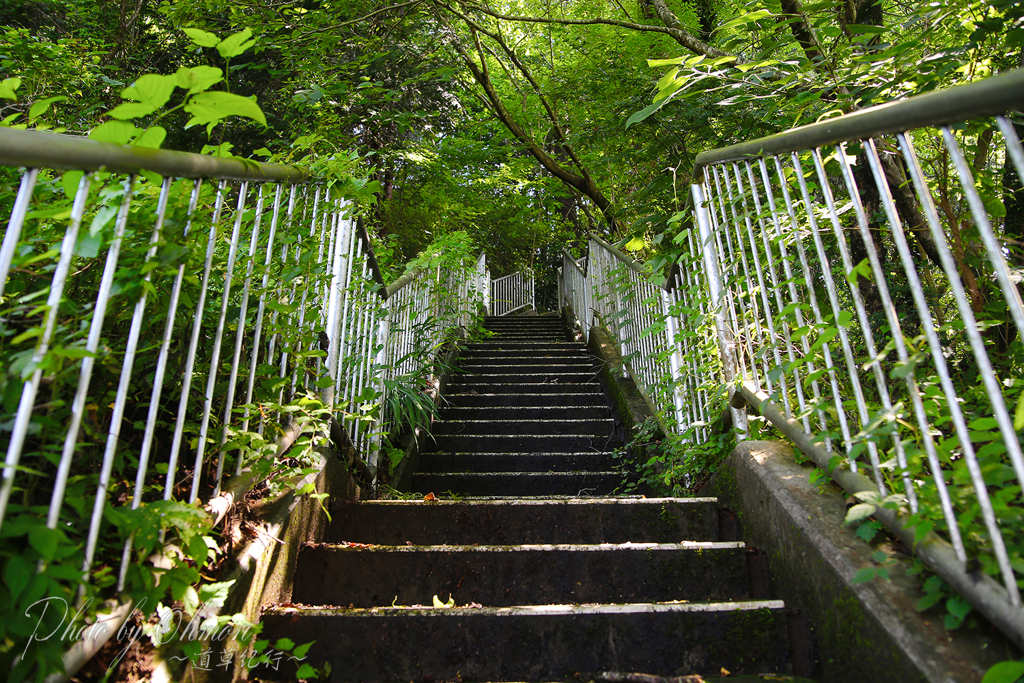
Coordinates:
<point>264,571</point>
<point>862,632</point>
<point>516,484</point>
<point>502,522</point>
<point>534,643</point>
<point>507,575</point>
<point>516,462</point>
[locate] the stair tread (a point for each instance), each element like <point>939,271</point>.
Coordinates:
<point>535,547</point>
<point>527,610</point>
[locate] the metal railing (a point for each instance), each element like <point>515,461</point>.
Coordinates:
<point>511,293</point>
<point>865,289</point>
<point>235,229</point>
<point>678,372</point>
<point>424,305</point>
<point>152,328</point>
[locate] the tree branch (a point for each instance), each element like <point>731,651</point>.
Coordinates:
<point>676,30</point>
<point>482,76</point>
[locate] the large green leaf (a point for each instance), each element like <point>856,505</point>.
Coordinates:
<point>39,108</point>
<point>236,44</point>
<point>151,89</point>
<point>120,132</point>
<point>198,78</point>
<point>8,86</point>
<point>213,107</point>
<point>201,38</point>
<point>131,110</point>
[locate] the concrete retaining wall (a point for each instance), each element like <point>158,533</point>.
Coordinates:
<point>860,632</point>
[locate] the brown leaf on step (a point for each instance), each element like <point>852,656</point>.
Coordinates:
<point>408,542</point>
<point>430,496</point>
<point>725,672</point>
<point>475,605</point>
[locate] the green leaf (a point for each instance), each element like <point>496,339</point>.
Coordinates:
<point>861,269</point>
<point>7,88</point>
<point>958,607</point>
<point>70,182</point>
<point>131,110</point>
<point>44,540</point>
<point>864,575</point>
<point>305,671</point>
<point>16,575</point>
<point>284,644</point>
<point>119,132</point>
<point>745,19</point>
<point>152,138</point>
<point>866,28</point>
<point>444,605</point>
<point>213,107</point>
<point>39,108</point>
<point>201,38</point>
<point>300,651</point>
<point>1004,672</point>
<point>927,602</point>
<point>668,79</point>
<point>665,62</point>
<point>1018,418</point>
<point>645,112</point>
<point>88,246</point>
<point>236,44</point>
<point>198,79</point>
<point>215,594</point>
<point>858,512</point>
<point>151,89</point>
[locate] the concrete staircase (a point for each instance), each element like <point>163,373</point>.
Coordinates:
<point>550,577</point>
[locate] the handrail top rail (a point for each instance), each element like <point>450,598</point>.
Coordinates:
<point>576,263</point>
<point>992,96</point>
<point>505,277</point>
<point>41,149</point>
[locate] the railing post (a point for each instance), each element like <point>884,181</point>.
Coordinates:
<point>726,344</point>
<point>675,359</point>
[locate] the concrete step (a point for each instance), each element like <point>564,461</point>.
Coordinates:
<point>523,443</point>
<point>504,576</point>
<point>523,324</point>
<point>516,462</point>
<point>574,387</point>
<point>505,368</point>
<point>532,642</point>
<point>551,377</point>
<point>514,484</point>
<point>597,427</point>
<point>492,397</point>
<point>552,351</point>
<point>523,413</point>
<point>526,358</point>
<point>496,522</point>
<point>527,346</point>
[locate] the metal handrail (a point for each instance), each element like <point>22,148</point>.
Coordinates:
<point>990,97</point>
<point>36,149</point>
<point>762,226</point>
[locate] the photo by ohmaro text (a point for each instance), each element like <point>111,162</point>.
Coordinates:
<point>172,624</point>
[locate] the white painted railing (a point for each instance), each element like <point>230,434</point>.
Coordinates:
<point>867,302</point>
<point>512,293</point>
<point>678,372</point>
<point>151,329</point>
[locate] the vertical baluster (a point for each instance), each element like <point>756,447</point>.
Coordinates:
<point>211,381</point>
<point>57,284</point>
